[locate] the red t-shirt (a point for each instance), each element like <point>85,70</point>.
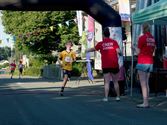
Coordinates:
<point>108,52</point>
<point>12,66</point>
<point>146,44</point>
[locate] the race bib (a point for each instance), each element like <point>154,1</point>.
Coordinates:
<point>68,59</point>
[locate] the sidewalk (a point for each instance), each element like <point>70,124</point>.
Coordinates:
<point>158,102</point>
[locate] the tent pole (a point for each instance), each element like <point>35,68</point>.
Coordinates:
<point>131,87</point>
<point>132,59</point>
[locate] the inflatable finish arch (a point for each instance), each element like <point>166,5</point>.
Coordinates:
<point>98,9</point>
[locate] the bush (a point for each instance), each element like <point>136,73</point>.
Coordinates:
<point>4,65</point>
<point>77,69</point>
<point>35,67</point>
<point>32,71</point>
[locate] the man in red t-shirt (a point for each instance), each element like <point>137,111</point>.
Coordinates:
<point>145,50</point>
<point>12,68</point>
<point>109,50</point>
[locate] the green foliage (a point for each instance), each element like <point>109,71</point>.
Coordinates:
<point>33,32</point>
<point>5,52</point>
<point>4,65</point>
<point>83,42</point>
<point>32,71</point>
<point>36,62</point>
<point>77,69</point>
<point>35,67</point>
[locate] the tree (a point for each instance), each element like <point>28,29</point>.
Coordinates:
<point>5,53</point>
<point>40,33</point>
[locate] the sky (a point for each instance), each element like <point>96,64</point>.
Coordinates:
<point>4,36</point>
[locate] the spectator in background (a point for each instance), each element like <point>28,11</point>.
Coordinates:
<point>12,68</point>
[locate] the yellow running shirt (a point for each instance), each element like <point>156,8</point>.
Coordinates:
<point>67,59</point>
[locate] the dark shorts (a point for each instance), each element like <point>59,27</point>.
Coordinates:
<point>145,67</point>
<point>21,70</point>
<point>12,71</point>
<point>66,72</point>
<point>110,70</point>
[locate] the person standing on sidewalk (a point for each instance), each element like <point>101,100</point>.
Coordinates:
<point>109,50</point>
<point>145,50</point>
<point>66,58</point>
<point>12,68</point>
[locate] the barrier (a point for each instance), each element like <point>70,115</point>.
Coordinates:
<point>52,71</point>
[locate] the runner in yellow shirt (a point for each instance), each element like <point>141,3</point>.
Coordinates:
<point>66,58</point>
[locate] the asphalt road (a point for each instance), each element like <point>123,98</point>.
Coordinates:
<point>33,101</point>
